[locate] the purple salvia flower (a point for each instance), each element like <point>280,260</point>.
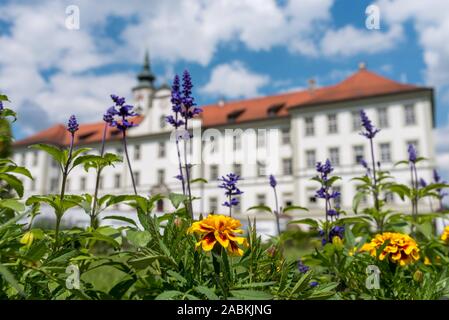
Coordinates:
<point>119,101</point>
<point>313,284</point>
<point>302,267</point>
<point>273,181</point>
<point>332,213</point>
<point>412,155</point>
<point>229,183</point>
<point>422,183</point>
<point>436,176</point>
<point>1,106</point>
<point>370,131</point>
<point>72,125</point>
<point>175,123</point>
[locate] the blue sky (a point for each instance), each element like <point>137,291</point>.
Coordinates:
<point>234,49</point>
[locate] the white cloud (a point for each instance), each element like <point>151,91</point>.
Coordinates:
<point>349,41</point>
<point>234,80</point>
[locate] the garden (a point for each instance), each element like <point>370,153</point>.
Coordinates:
<point>368,253</point>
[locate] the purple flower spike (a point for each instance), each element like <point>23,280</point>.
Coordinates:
<point>1,106</point>
<point>273,181</point>
<point>302,267</point>
<point>229,183</point>
<point>72,125</point>
<point>412,155</point>
<point>370,131</point>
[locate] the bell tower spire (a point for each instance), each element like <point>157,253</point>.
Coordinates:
<point>145,77</point>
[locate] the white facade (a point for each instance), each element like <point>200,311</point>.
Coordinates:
<point>307,135</point>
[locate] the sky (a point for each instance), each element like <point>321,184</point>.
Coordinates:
<point>233,49</point>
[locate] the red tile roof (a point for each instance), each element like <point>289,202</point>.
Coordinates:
<point>362,84</point>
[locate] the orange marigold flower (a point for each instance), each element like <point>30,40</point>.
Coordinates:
<point>221,229</point>
<point>401,248</point>
<point>445,234</point>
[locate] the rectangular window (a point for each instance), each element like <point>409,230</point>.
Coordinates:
<point>137,152</point>
<point>162,122</point>
<point>54,184</point>
<point>161,149</point>
<point>161,176</point>
<point>285,136</point>
<point>385,152</point>
<point>309,127</point>
<point>410,117</point>
<point>310,194</point>
<point>310,158</point>
<point>119,151</point>
<point>260,199</point>
<point>356,122</point>
<point>137,178</point>
<point>334,156</point>
<point>261,169</point>
<point>213,205</point>
<point>100,183</point>
<point>83,184</point>
<point>160,205</point>
<point>213,172</point>
<point>237,142</point>
<point>238,169</point>
<point>261,138</point>
<point>359,154</point>
<point>35,158</point>
<point>287,199</point>
<point>117,180</point>
<point>287,167</point>
<point>332,126</point>
<point>382,117</point>
<point>23,160</point>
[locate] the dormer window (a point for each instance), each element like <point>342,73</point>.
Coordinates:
<point>274,109</point>
<point>232,117</point>
<point>86,136</point>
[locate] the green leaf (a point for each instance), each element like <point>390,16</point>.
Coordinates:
<point>56,153</point>
<point>209,293</point>
<point>3,97</point>
<point>251,295</point>
<point>177,198</point>
<point>13,205</point>
<point>290,208</point>
<point>307,221</point>
<point>123,219</point>
<point>198,180</point>
<point>14,182</point>
<point>138,238</point>
<point>9,277</point>
<point>301,284</point>
<point>261,208</point>
<point>169,295</point>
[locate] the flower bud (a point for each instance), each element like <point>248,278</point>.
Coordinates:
<point>418,276</point>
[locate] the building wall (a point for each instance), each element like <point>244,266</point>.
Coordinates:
<point>295,188</point>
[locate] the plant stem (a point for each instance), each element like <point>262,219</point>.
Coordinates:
<point>413,199</point>
<point>179,159</point>
<point>375,191</point>
<point>65,173</point>
<point>97,181</point>
<point>276,213</point>
<point>187,166</point>
<point>125,147</point>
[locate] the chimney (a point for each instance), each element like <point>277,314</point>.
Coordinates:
<point>362,65</point>
<point>221,102</point>
<point>311,84</point>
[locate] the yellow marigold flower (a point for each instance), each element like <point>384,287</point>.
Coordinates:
<point>445,234</point>
<point>352,252</point>
<point>401,248</point>
<point>221,229</point>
